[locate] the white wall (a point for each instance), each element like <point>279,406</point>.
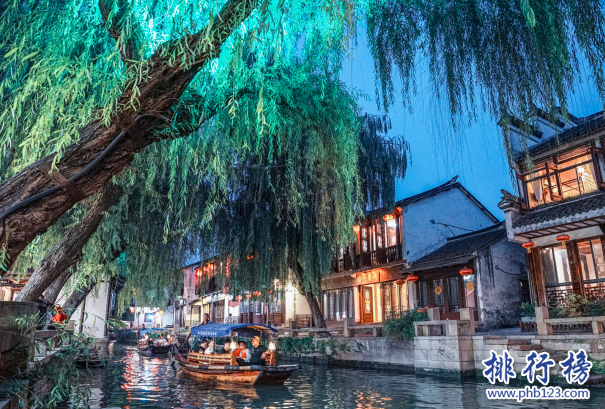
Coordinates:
<point>451,207</point>
<point>95,310</point>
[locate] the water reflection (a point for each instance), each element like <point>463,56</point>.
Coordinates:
<point>135,381</point>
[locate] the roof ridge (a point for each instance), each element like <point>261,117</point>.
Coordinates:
<point>496,226</point>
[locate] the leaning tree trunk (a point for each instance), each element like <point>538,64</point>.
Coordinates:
<point>68,251</point>
<point>52,292</point>
<point>77,296</point>
<point>318,318</point>
<point>33,199</point>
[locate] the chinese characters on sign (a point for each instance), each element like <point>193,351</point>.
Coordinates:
<point>369,277</point>
<point>576,368</point>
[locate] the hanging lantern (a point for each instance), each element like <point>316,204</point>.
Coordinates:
<point>400,282</point>
<point>239,298</point>
<point>412,278</point>
<point>563,238</point>
<point>356,229</point>
<point>528,245</point>
<point>388,217</point>
<point>466,271</point>
<point>248,295</point>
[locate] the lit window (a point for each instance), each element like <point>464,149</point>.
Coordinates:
<point>567,175</point>
<point>591,259</point>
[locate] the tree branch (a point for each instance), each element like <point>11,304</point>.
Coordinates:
<point>123,27</point>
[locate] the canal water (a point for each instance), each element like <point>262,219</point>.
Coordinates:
<point>136,381</point>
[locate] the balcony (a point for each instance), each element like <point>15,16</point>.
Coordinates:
<point>374,258</point>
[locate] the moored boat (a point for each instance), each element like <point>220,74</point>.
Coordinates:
<point>224,367</point>
<point>154,341</point>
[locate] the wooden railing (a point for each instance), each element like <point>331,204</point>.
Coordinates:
<point>369,259</point>
<point>556,294</point>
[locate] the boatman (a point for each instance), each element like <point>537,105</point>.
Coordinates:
<point>257,352</point>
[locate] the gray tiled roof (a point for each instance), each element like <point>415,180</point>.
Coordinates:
<point>459,249</point>
<point>587,125</point>
<point>559,210</point>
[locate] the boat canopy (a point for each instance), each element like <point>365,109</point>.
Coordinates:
<point>224,330</point>
<point>144,331</point>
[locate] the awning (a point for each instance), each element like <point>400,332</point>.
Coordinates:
<point>224,330</point>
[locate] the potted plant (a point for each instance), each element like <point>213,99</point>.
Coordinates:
<point>528,312</point>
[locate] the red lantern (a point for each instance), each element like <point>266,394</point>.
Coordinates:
<point>528,245</point>
<point>248,295</point>
<point>466,271</point>
<point>356,229</point>
<point>563,238</point>
<point>400,282</point>
<point>388,217</point>
<point>239,298</point>
<point>412,278</point>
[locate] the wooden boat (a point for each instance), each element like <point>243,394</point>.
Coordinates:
<point>147,346</point>
<point>223,367</point>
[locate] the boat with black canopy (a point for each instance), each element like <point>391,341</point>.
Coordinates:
<point>154,341</point>
<point>224,367</point>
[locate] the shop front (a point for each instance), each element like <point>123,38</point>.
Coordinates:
<point>448,290</point>
<point>365,297</point>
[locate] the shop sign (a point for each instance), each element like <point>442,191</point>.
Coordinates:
<point>367,278</point>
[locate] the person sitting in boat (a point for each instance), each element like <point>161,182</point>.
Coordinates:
<point>210,349</point>
<point>161,340</point>
<point>200,346</point>
<point>257,352</point>
<point>242,354</point>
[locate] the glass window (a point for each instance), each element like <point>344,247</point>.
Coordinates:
<point>379,235</point>
<point>591,259</point>
<point>452,284</point>
<point>387,299</point>
<point>365,242</point>
<point>555,265</point>
<point>423,294</point>
<point>392,232</point>
<point>469,291</point>
<point>570,174</point>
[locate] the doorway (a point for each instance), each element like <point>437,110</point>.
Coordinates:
<point>367,304</point>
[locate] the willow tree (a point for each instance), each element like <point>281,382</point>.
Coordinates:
<point>86,84</point>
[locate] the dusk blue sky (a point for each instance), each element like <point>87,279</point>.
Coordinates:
<point>475,154</point>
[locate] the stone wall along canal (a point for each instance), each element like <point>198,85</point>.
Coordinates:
<point>134,381</point>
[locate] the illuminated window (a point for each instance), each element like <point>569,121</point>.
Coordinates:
<point>560,177</point>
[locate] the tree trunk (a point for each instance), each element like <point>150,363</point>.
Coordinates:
<point>318,318</point>
<point>68,251</point>
<point>52,292</point>
<point>157,96</point>
<point>77,296</point>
